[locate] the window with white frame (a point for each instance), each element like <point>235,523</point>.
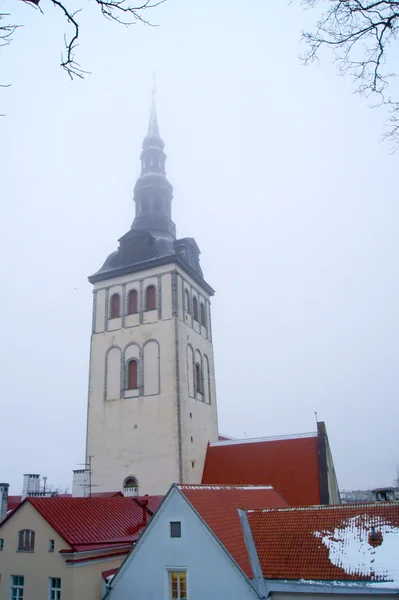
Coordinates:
<point>54,588</point>
<point>177,585</point>
<point>1,543</point>
<point>51,545</point>
<point>17,587</point>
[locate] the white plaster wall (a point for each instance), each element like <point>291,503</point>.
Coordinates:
<point>138,434</point>
<point>113,360</point>
<point>151,368</point>
<point>99,318</point>
<point>211,574</point>
<point>199,418</point>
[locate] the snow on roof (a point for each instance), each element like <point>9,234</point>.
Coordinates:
<point>351,547</point>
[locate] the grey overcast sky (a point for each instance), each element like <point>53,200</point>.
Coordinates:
<point>277,173</point>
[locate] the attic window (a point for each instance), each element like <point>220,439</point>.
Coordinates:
<point>51,545</point>
<point>175,529</point>
<point>26,540</point>
<point>1,543</point>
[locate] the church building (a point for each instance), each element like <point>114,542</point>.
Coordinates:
<point>152,400</point>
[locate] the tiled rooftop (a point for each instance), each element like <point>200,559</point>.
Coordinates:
<point>218,505</point>
<point>339,543</point>
<point>288,463</point>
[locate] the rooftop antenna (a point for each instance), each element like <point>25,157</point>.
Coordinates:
<point>315,414</point>
<point>90,485</point>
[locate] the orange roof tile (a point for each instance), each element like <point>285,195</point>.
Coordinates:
<point>333,543</point>
<point>289,464</point>
<point>218,505</point>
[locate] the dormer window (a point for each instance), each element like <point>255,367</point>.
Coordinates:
<point>130,486</point>
<point>26,540</point>
<point>115,306</point>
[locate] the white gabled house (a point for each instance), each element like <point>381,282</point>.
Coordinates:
<point>179,556</point>
<point>244,542</point>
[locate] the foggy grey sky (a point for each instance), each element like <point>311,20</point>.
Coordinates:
<point>277,173</point>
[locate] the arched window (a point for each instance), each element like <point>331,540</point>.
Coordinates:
<point>115,306</point>
<point>195,308</point>
<point>150,298</point>
<point>187,297</point>
<point>26,540</point>
<point>198,378</point>
<point>132,375</point>
<point>132,302</point>
<point>130,486</point>
<point>203,317</point>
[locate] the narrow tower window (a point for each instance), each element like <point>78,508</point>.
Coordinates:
<point>132,375</point>
<point>144,205</point>
<point>150,298</point>
<point>195,308</point>
<point>203,317</point>
<point>198,378</point>
<point>187,295</point>
<point>132,303</point>
<point>115,306</point>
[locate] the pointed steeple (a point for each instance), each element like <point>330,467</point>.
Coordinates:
<point>153,129</point>
<point>153,193</point>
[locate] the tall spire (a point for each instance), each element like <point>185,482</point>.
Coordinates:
<point>153,124</point>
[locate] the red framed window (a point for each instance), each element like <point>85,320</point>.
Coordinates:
<point>115,306</point>
<point>150,303</point>
<point>132,302</point>
<point>132,375</point>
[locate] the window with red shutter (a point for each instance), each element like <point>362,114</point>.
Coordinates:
<point>132,375</point>
<point>150,298</point>
<point>115,306</point>
<point>132,308</point>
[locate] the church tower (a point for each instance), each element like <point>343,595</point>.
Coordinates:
<point>152,401</point>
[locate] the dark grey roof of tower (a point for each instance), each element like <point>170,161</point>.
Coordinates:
<point>152,237</point>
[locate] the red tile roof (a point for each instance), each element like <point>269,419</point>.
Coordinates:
<point>289,464</point>
<point>328,542</point>
<point>13,502</point>
<point>153,502</point>
<point>92,521</point>
<point>218,506</point>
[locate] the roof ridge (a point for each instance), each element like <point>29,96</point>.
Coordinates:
<point>316,507</point>
<point>275,438</point>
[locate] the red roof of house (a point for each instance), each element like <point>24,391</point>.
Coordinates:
<point>13,502</point>
<point>153,502</point>
<point>289,464</point>
<point>218,505</point>
<point>87,522</point>
<point>331,543</point>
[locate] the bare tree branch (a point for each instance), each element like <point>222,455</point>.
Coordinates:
<point>115,10</point>
<point>359,34</point>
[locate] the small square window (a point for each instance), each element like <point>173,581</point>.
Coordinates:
<point>175,529</point>
<point>51,545</point>
<point>1,543</point>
